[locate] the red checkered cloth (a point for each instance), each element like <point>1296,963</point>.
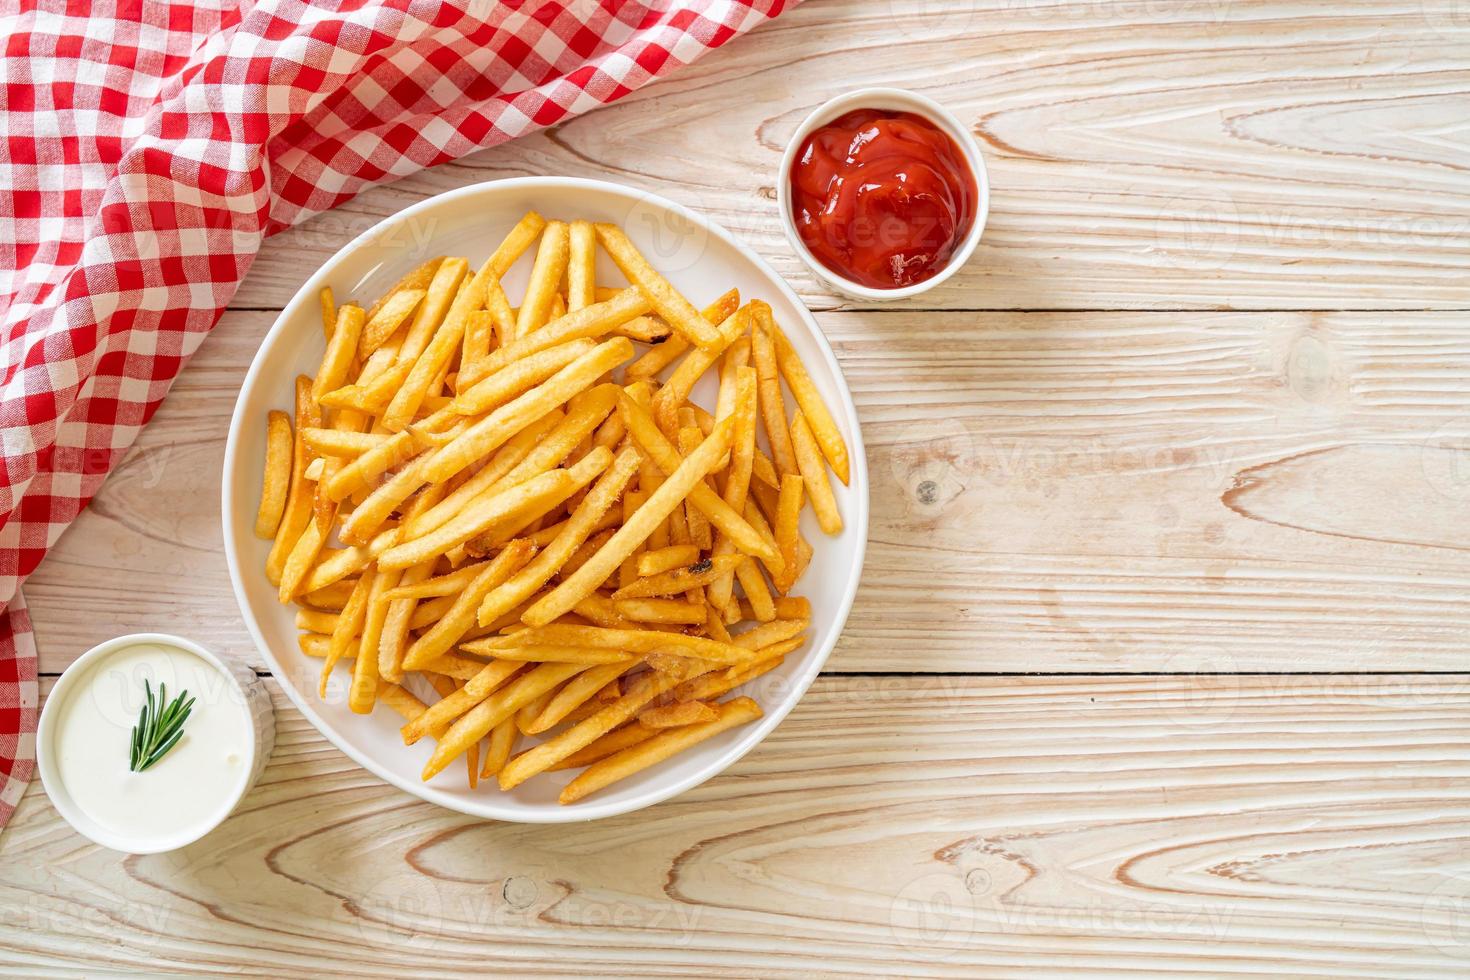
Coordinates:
<point>148,148</point>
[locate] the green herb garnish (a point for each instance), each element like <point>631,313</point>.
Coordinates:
<point>159,727</point>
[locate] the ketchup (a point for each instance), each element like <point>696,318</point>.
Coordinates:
<point>882,198</point>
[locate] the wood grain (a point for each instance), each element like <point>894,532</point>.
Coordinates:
<point>1080,827</point>
<point>1051,492</point>
<point>1202,154</point>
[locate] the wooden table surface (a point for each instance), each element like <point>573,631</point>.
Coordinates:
<point>1159,661</point>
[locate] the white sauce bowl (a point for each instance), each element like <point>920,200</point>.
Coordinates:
<point>231,703</point>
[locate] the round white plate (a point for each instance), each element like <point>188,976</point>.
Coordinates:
<point>703,261</point>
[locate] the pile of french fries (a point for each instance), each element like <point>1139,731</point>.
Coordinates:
<point>514,522</point>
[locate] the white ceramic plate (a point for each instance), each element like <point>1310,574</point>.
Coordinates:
<point>702,260</point>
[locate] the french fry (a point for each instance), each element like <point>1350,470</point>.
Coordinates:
<point>666,559</point>
<point>300,497</point>
<point>588,513</point>
<point>712,685</point>
<point>628,640</point>
<point>572,695</point>
<point>276,481</point>
<point>346,629</point>
<point>455,622</point>
<point>517,241</point>
<point>737,477</point>
<point>476,723</point>
<point>439,295</point>
<point>671,305</point>
<point>809,400</point>
<point>694,576</point>
<point>493,430</point>
<point>772,404</point>
<point>646,432</point>
<point>449,584</point>
<point>553,655</point>
<point>699,527</point>
<point>329,311</point>
<point>621,765</point>
<point>546,273</point>
<point>393,639</point>
<point>674,393</point>
<point>494,508</point>
<point>443,713</point>
<point>502,744</point>
<point>813,467</point>
<point>337,442</point>
<point>689,474</point>
<point>401,700</point>
<point>679,713</point>
<point>385,321</point>
<point>581,266</point>
<point>645,329</point>
<point>418,278</point>
<point>675,611</point>
<point>614,741</point>
<point>654,361</point>
<point>788,530</point>
<point>592,322</point>
<point>518,378</point>
<point>527,712</point>
<point>754,584</point>
<point>341,350</point>
<point>302,556</point>
<point>768,633</point>
<point>426,375</point>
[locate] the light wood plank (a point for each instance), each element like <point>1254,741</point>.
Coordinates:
<point>1236,154</point>
<point>1276,826</point>
<point>1084,492</point>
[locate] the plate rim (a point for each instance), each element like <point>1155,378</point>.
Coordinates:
<point>588,809</point>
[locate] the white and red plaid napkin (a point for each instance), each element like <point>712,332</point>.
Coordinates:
<point>148,148</point>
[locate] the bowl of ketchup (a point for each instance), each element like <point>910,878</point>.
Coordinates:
<point>883,193</point>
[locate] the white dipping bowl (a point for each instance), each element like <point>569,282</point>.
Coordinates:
<point>237,683</point>
<point>703,261</point>
<point>889,100</point>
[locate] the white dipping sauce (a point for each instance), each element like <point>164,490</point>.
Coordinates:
<point>186,789</point>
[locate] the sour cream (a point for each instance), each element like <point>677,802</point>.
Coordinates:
<point>86,732</point>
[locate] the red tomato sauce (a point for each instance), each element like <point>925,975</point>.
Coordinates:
<point>882,198</point>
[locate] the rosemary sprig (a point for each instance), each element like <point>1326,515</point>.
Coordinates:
<point>159,727</point>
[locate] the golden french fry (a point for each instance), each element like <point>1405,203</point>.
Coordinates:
<point>546,273</point>
<point>683,579</point>
<point>628,640</point>
<point>709,686</point>
<point>302,557</point>
<point>614,741</point>
<point>679,713</point>
<point>666,559</point>
<point>338,442</point>
<point>754,584</point>
<point>699,527</point>
<point>336,565</point>
<point>516,242</point>
<point>400,700</point>
<point>329,312</point>
<point>457,620</point>
<point>506,459</point>
<point>495,429</point>
<point>621,765</point>
<point>479,334</point>
<point>476,723</point>
<point>384,322</point>
<point>341,349</point>
<point>575,693</point>
<point>518,378</point>
<point>766,634</point>
<point>645,431</point>
<point>332,598</point>
<point>674,611</point>
<point>501,744</point>
<point>588,513</point>
<point>645,329</point>
<point>302,494</point>
<point>772,403</point>
<point>449,584</point>
<point>418,278</point>
<point>788,531</point>
<point>442,713</point>
<point>654,361</point>
<point>439,295</point>
<point>674,393</point>
<point>671,305</point>
<point>552,655</point>
<point>737,477</point>
<point>813,469</point>
<point>660,505</point>
<point>429,367</point>
<point>276,481</point>
<point>495,508</point>
<point>809,400</point>
<point>582,266</point>
<point>393,637</point>
<point>345,632</point>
